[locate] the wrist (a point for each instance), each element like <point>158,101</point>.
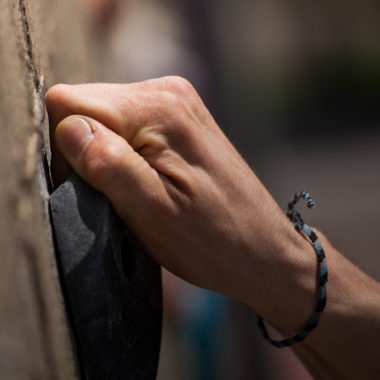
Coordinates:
<point>289,293</point>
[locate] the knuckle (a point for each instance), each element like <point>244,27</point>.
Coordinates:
<point>178,85</point>
<point>175,111</point>
<point>172,108</point>
<point>170,101</point>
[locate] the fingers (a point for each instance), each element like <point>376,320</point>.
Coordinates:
<point>126,109</point>
<point>113,105</point>
<point>107,162</point>
<point>108,103</point>
<point>122,107</point>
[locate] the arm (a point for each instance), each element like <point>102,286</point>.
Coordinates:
<point>197,208</point>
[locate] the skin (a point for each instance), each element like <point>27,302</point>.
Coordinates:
<point>197,208</point>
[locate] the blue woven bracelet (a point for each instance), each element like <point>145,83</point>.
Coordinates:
<point>301,227</point>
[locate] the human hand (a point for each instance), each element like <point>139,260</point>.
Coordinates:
<point>184,191</point>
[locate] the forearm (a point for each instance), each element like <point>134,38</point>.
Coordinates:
<point>348,335</point>
<point>196,207</point>
<point>345,342</point>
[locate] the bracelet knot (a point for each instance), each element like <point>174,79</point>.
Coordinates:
<point>305,230</point>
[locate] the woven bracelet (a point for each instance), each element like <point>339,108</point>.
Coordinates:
<point>301,227</point>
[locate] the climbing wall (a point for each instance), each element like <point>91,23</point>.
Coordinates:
<point>78,297</point>
<point>42,42</point>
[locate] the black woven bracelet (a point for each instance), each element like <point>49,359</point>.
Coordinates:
<point>301,227</point>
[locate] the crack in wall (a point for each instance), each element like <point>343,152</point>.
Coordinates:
<point>29,47</point>
<point>38,108</point>
<point>42,173</point>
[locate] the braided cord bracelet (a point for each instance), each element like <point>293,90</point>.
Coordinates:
<point>301,227</point>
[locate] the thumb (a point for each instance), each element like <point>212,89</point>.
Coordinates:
<point>106,161</point>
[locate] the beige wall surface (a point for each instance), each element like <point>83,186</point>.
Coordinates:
<point>42,42</point>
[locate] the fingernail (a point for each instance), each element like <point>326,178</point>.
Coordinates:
<point>73,135</point>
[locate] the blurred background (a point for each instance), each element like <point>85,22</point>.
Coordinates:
<point>296,86</point>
